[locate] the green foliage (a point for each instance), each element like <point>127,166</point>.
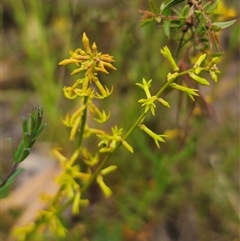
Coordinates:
<point>170,4</point>
<point>193,16</point>
<point>31,129</point>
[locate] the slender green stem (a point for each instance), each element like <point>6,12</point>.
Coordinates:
<point>83,123</point>
<point>180,44</point>
<point>165,87</point>
<point>57,196</point>
<point>11,172</point>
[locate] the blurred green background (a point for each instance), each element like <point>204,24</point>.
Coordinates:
<point>189,193</point>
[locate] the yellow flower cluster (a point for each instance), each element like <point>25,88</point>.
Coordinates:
<point>90,61</point>
<point>89,87</point>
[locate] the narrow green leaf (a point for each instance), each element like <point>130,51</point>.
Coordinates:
<point>34,123</point>
<point>30,124</point>
<point>26,139</point>
<point>206,6</point>
<point>210,9</point>
<point>25,153</point>
<point>223,25</point>
<point>37,133</point>
<point>185,11</point>
<point>162,6</point>
<point>166,28</point>
<point>4,189</point>
<point>39,110</point>
<point>176,24</point>
<point>24,125</point>
<point>36,111</point>
<point>145,21</point>
<point>201,26</point>
<point>36,115</point>
<point>166,24</point>
<point>170,4</point>
<point>15,174</point>
<point>178,13</point>
<point>153,7</point>
<point>19,151</point>
<point>38,123</point>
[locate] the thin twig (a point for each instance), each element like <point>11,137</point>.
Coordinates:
<point>13,169</point>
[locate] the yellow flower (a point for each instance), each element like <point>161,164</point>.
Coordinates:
<point>167,54</point>
<point>224,12</point>
<point>89,59</point>
<point>22,232</point>
<point>155,136</point>
<point>108,170</point>
<point>105,189</point>
<point>198,79</point>
<point>56,153</point>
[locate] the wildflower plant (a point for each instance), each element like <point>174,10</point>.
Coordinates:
<point>31,129</point>
<point>84,166</point>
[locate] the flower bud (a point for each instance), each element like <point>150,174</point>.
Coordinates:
<point>128,147</point>
<point>68,61</point>
<point>108,170</point>
<point>200,60</point>
<point>213,76</point>
<point>198,79</point>
<point>164,102</point>
<point>94,48</point>
<point>105,189</point>
<point>213,62</point>
<point>85,41</point>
